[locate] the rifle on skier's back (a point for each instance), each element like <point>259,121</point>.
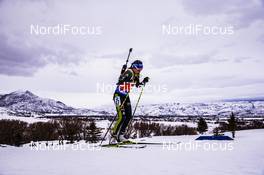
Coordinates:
<point>125,65</point>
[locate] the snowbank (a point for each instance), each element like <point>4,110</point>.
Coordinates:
<point>245,157</point>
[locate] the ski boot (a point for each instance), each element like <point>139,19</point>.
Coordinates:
<point>121,138</point>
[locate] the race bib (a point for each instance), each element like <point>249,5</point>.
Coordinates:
<point>117,101</point>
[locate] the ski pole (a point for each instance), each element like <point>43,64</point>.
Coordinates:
<point>108,129</point>
<point>130,122</point>
<point>113,121</point>
<point>138,101</point>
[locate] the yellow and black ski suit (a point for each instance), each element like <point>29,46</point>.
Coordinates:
<point>122,100</point>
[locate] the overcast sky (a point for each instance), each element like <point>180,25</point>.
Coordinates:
<point>183,67</point>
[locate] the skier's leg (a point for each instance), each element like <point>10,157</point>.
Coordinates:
<point>120,113</point>
<point>128,116</point>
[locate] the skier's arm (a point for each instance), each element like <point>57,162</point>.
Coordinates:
<point>145,80</point>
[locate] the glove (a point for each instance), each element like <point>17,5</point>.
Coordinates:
<point>145,80</point>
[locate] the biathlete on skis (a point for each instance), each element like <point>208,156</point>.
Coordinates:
<point>129,78</point>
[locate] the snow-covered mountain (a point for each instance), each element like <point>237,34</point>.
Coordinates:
<point>240,108</point>
<point>221,108</point>
<point>23,101</point>
<point>27,103</point>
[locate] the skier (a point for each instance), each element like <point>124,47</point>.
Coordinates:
<point>127,79</point>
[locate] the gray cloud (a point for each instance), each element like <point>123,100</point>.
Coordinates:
<point>207,7</point>
<point>138,26</point>
<point>164,60</point>
<point>261,39</point>
<point>121,55</point>
<point>241,59</point>
<point>240,13</point>
<point>231,81</point>
<point>23,54</point>
<point>18,59</point>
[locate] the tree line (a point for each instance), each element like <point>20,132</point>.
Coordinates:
<point>15,132</point>
<point>146,129</point>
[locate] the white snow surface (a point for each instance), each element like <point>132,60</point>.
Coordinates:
<point>246,157</point>
<point>4,115</point>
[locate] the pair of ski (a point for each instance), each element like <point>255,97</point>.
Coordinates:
<point>131,144</point>
<point>126,144</point>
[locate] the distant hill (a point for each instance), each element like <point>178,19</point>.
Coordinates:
<point>25,102</point>
<point>245,99</point>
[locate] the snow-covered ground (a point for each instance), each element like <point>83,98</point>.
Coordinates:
<point>7,114</point>
<point>25,119</point>
<point>245,155</point>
